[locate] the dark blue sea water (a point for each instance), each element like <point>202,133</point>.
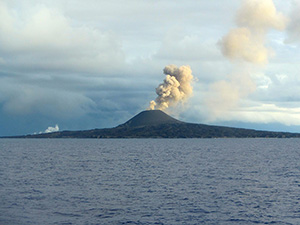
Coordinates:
<point>150,181</point>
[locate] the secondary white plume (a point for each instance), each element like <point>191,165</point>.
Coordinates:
<point>176,87</point>
<point>52,129</point>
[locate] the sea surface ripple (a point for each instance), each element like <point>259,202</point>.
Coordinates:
<point>150,181</point>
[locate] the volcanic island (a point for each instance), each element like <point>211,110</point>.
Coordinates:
<point>157,124</point>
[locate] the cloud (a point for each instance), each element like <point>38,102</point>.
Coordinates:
<point>45,39</point>
<point>178,46</point>
<point>267,113</point>
<point>293,28</point>
<point>24,99</point>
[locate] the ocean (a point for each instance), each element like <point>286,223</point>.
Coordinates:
<point>149,181</point>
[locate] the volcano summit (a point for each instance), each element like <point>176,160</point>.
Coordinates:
<point>150,118</point>
<point>157,124</point>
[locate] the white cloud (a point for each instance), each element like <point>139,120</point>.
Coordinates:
<point>266,113</point>
<point>262,81</point>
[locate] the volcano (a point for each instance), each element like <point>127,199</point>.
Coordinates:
<point>157,124</point>
<point>150,118</point>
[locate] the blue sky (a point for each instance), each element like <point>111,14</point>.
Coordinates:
<point>95,64</point>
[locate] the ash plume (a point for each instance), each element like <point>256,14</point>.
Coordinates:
<point>176,87</point>
<point>247,42</point>
<point>245,45</point>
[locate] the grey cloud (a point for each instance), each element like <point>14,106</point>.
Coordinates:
<point>179,47</point>
<point>20,99</point>
<point>294,24</point>
<point>48,40</point>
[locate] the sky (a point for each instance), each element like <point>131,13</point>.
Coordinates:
<point>76,65</point>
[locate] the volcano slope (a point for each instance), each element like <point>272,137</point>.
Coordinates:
<point>157,124</point>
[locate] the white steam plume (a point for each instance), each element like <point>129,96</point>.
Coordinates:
<point>175,89</point>
<point>245,44</point>
<point>52,129</point>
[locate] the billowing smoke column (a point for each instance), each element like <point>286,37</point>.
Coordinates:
<point>175,89</point>
<point>245,45</point>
